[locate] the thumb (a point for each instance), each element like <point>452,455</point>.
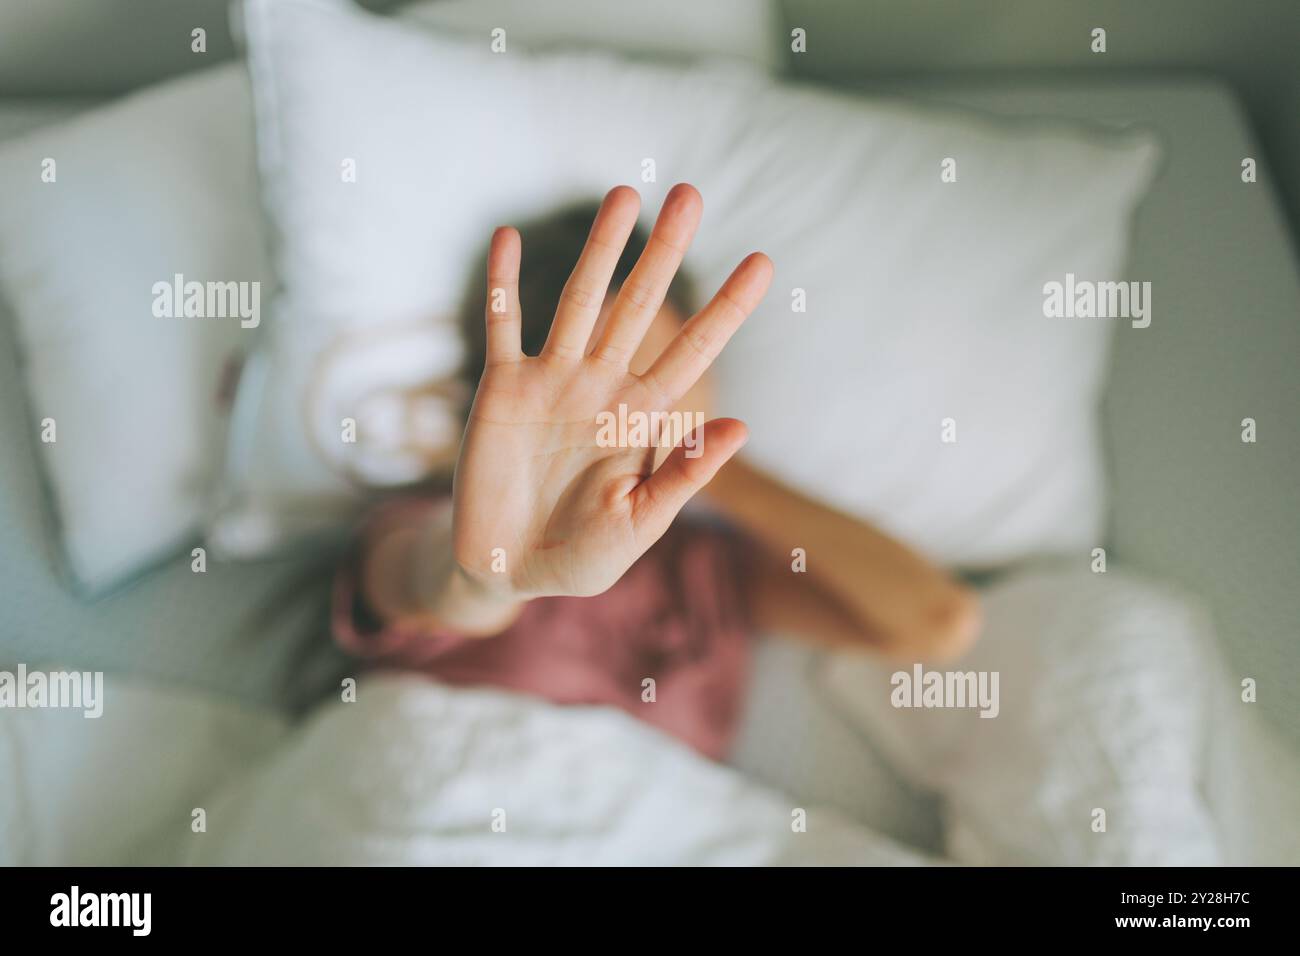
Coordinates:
<point>692,465</point>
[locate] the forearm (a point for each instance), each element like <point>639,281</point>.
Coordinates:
<point>409,577</point>
<point>887,587</point>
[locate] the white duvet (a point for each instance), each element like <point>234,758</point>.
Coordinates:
<point>416,773</point>
<point>410,773</point>
<point>1100,687</point>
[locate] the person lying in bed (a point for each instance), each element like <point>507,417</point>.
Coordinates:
<point>559,567</point>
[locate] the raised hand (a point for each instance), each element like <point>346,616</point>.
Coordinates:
<point>540,507</point>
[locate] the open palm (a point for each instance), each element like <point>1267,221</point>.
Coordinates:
<point>540,507</point>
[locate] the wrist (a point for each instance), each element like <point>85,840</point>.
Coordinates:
<point>410,578</point>
<point>469,585</point>
<point>445,590</point>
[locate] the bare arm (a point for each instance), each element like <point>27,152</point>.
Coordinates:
<point>861,587</point>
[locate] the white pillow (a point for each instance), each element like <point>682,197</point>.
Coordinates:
<point>158,184</point>
<point>747,30</point>
<point>924,298</point>
<point>309,480</point>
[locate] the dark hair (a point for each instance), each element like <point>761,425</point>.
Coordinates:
<point>551,246</point>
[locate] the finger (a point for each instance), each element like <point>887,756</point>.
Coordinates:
<point>502,314</point>
<point>692,465</point>
<point>643,293</point>
<point>694,348</point>
<point>584,293</point>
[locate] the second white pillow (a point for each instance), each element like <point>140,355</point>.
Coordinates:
<point>901,368</point>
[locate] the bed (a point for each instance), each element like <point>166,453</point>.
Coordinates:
<point>1225,273</point>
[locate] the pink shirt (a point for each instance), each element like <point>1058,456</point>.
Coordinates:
<point>679,616</point>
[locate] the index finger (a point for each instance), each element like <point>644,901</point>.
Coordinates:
<point>702,338</point>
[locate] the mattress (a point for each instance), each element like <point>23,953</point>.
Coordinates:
<point>1221,265</point>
